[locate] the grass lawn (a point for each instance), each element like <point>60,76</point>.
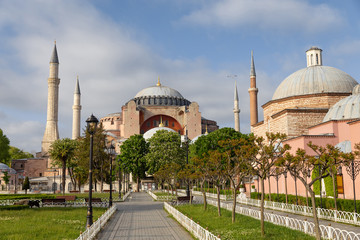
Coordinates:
<point>45,223</point>
<point>244,227</point>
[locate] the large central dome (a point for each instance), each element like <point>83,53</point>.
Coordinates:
<point>160,95</point>
<point>316,78</point>
<point>158,91</point>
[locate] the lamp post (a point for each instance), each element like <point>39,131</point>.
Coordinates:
<point>111,152</point>
<point>91,128</point>
<point>185,141</point>
<point>286,193</point>
<point>353,170</point>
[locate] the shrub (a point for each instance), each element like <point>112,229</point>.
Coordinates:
<point>14,207</point>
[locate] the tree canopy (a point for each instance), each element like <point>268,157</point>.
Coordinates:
<point>164,147</point>
<point>4,148</point>
<point>133,152</point>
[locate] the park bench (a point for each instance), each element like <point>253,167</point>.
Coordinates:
<point>184,199</point>
<point>67,197</point>
<point>107,190</point>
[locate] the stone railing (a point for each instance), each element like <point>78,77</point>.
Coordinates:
<point>194,228</point>
<point>327,232</point>
<point>329,214</point>
<point>90,233</point>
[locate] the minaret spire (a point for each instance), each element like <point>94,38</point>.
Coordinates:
<point>253,93</point>
<point>51,130</point>
<point>236,109</point>
<point>76,111</point>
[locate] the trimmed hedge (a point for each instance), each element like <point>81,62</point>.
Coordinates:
<point>328,203</point>
<point>25,196</point>
<point>14,207</point>
<point>213,190</point>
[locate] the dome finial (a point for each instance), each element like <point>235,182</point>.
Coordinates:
<point>161,123</point>
<point>206,131</point>
<point>158,83</point>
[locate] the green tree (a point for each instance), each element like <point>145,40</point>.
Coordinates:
<point>164,147</point>
<point>16,153</point>
<point>4,148</point>
<point>26,184</point>
<point>326,159</point>
<point>238,163</point>
<point>133,152</point>
<point>101,159</point>
<point>6,179</point>
<point>62,151</point>
<point>268,153</point>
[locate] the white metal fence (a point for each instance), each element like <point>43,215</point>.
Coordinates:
<point>327,232</point>
<point>163,197</point>
<point>328,214</point>
<point>91,232</point>
<point>194,228</point>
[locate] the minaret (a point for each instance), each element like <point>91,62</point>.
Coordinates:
<point>236,110</point>
<point>76,111</point>
<point>51,130</point>
<point>253,91</point>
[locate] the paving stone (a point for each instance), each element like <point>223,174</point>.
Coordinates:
<point>142,218</point>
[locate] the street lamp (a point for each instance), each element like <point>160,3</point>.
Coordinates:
<point>91,128</point>
<point>286,193</point>
<point>111,152</point>
<point>185,141</point>
<point>353,170</point>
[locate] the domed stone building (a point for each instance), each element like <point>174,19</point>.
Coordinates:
<point>317,104</point>
<point>154,106</point>
<point>303,99</point>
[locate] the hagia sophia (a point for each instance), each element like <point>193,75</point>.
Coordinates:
<point>317,103</point>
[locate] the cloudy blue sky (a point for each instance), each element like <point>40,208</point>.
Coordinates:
<point>119,47</point>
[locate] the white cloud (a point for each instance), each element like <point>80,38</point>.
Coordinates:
<point>274,15</point>
<point>112,67</point>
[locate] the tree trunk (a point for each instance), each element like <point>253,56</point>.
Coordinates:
<point>262,208</point>
<point>316,220</point>
<point>120,184</point>
<point>334,189</point>
<point>25,191</point>
<point>269,189</point>
<point>64,175</point>
<point>204,195</point>
<point>137,183</point>
<point>218,200</point>
<point>190,197</point>
<point>234,206</point>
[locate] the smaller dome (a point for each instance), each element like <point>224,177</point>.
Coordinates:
<point>346,108</point>
<point>356,89</point>
<point>344,146</point>
<point>152,131</point>
<point>3,166</point>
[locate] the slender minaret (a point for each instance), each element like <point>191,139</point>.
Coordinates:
<point>236,110</point>
<point>51,130</point>
<point>76,111</point>
<point>253,91</point>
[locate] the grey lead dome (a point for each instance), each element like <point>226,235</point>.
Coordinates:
<point>158,91</point>
<point>315,79</point>
<point>346,108</point>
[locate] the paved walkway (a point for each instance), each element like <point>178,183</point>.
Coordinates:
<point>141,218</point>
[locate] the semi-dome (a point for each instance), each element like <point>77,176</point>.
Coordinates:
<point>148,134</point>
<point>6,168</point>
<point>346,108</point>
<point>315,79</point>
